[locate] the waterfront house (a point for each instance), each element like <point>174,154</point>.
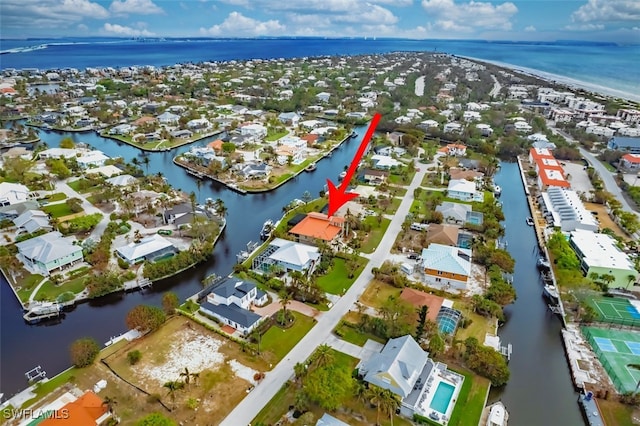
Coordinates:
<point>287,256</point>
<point>464,190</point>
<point>405,369</point>
<point>565,210</point>
<point>181,133</point>
<point>318,226</point>
<point>149,248</point>
<point>253,170</point>
<point>183,214</point>
<point>446,266</point>
<point>58,153</point>
<point>549,170</point>
<point>87,410</point>
<point>230,301</point>
<point>122,180</point>
<point>32,221</point>
<point>599,254</point>
<point>12,193</point>
<point>459,214</point>
<point>122,129</point>
<point>48,253</point>
<point>92,159</point>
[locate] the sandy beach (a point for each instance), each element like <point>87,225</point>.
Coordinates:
<point>567,81</point>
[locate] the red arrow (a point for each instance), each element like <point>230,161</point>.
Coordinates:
<point>337,196</point>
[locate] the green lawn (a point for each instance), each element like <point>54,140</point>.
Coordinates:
<point>280,341</point>
<point>50,291</point>
<point>274,136</point>
<point>352,335</point>
<point>44,388</point>
<point>471,399</point>
<point>337,281</point>
<point>58,196</point>
<point>616,413</point>
<point>372,239</point>
<point>57,210</point>
<point>377,292</point>
<point>27,284</point>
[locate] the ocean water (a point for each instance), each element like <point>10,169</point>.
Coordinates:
<point>605,67</point>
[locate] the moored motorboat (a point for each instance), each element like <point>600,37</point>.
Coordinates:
<point>530,221</point>
<point>497,190</point>
<point>498,415</point>
<point>311,167</point>
<point>267,227</point>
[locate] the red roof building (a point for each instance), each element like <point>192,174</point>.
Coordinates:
<point>318,226</point>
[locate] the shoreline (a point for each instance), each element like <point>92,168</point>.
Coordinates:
<point>234,187</point>
<point>562,80</point>
<point>163,149</point>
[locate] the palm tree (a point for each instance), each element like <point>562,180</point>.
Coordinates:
<point>186,375</point>
<point>146,161</point>
<point>109,402</point>
<point>299,371</point>
<point>376,396</point>
<point>323,356</point>
<point>389,403</point>
<point>285,298</point>
<point>173,386</point>
<point>220,207</point>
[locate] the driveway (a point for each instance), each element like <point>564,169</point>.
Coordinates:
<point>251,405</point>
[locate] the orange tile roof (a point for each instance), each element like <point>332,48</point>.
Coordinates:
<point>632,158</point>
<point>84,411</point>
<point>318,225</point>
<point>551,176</point>
<point>537,153</point>
<point>143,120</point>
<point>215,145</point>
<point>419,298</point>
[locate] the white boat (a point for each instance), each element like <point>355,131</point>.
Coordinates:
<point>311,167</point>
<point>551,292</point>
<point>497,190</point>
<point>530,221</point>
<point>267,227</point>
<point>343,175</point>
<point>498,415</point>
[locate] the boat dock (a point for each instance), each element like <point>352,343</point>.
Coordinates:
<point>590,409</point>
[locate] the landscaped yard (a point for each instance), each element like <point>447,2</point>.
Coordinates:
<point>371,240</point>
<point>479,326</point>
<point>337,281</point>
<point>27,284</point>
<point>58,196</point>
<point>57,210</point>
<point>50,291</point>
<point>353,335</point>
<point>471,399</point>
<point>279,341</point>
<point>377,292</point>
<point>82,186</point>
<point>353,411</point>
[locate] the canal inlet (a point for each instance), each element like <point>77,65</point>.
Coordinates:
<point>539,392</point>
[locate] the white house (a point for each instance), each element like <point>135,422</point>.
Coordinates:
<point>384,162</point>
<point>12,193</point>
<point>464,190</point>
<point>32,221</point>
<point>471,116</point>
<point>168,118</point>
<point>199,124</point>
<point>58,153</point>
<point>230,301</point>
<point>148,248</point>
<point>92,159</point>
<point>49,252</point>
<point>452,127</point>
<point>288,255</point>
<point>258,131</point>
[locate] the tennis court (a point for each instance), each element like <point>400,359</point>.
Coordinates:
<point>619,352</point>
<point>616,310</point>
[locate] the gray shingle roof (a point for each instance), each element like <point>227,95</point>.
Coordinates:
<point>232,312</point>
<point>48,247</point>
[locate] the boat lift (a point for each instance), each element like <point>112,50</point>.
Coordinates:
<point>35,374</point>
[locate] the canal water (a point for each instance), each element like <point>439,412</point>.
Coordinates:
<point>23,347</point>
<point>540,390</point>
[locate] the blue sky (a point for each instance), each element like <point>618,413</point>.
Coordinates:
<point>599,20</point>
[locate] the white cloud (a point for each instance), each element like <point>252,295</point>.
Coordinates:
<point>467,17</point>
<point>48,13</point>
<point>126,31</point>
<point>243,3</point>
<point>607,11</point>
<point>82,27</point>
<point>530,29</point>
<point>584,27</point>
<point>135,7</point>
<point>238,25</point>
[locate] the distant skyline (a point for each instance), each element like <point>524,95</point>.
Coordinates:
<point>517,20</point>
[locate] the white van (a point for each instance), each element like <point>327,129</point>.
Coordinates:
<point>419,226</point>
<point>407,268</point>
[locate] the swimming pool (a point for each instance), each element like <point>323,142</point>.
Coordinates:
<point>442,397</point>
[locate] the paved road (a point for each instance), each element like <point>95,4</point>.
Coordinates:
<point>251,405</point>
<point>495,91</point>
<point>89,208</point>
